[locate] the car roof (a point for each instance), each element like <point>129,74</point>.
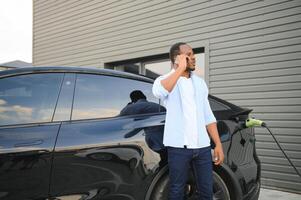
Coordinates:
<point>64,69</point>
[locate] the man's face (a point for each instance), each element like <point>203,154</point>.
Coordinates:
<point>187,50</point>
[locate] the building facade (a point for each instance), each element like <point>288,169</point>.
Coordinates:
<point>249,53</point>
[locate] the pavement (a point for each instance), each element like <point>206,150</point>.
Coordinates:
<point>268,194</point>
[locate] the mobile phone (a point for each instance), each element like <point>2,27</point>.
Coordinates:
<point>187,61</point>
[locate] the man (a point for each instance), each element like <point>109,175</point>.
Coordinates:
<point>140,105</point>
<point>189,119</point>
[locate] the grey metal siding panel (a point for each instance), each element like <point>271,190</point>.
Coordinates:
<point>263,72</point>
<point>255,88</point>
<point>284,185</point>
<point>254,45</point>
<point>99,45</point>
<point>255,67</point>
<point>102,47</point>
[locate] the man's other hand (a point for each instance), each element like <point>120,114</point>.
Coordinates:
<point>218,155</point>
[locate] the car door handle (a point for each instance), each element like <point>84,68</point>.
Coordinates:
<point>29,143</point>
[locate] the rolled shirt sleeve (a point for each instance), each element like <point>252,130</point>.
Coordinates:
<point>208,114</point>
<point>158,90</point>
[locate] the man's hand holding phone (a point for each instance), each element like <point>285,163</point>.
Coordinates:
<point>181,68</point>
<point>181,62</point>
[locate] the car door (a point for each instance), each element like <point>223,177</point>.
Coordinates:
<point>102,153</point>
<point>27,134</point>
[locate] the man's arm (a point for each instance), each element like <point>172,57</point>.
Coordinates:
<point>169,82</point>
<point>211,126</point>
<point>218,150</point>
<point>213,132</point>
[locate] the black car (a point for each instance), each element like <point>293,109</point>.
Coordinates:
<point>64,134</point>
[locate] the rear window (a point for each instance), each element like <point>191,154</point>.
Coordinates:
<point>217,106</point>
<point>100,96</point>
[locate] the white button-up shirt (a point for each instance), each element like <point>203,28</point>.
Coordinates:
<point>177,130</point>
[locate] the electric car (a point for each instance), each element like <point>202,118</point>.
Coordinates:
<point>67,133</point>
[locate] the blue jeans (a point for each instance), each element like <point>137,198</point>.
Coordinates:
<point>179,160</point>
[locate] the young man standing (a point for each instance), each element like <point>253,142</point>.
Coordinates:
<point>189,119</point>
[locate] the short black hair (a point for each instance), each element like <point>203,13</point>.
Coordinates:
<point>175,50</point>
<point>136,95</point>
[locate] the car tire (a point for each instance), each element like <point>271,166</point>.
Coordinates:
<point>220,190</point>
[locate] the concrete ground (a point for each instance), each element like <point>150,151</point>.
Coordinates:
<point>268,194</point>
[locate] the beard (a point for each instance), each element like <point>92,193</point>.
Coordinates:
<point>190,68</point>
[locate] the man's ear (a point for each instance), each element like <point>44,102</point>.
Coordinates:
<point>175,60</point>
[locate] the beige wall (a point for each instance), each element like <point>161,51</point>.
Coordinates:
<point>253,54</point>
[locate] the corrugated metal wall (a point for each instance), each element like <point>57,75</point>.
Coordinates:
<point>254,54</point>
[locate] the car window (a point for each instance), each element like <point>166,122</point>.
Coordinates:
<point>217,106</point>
<point>28,98</point>
<point>99,96</point>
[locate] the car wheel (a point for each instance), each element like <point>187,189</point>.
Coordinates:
<point>220,190</point>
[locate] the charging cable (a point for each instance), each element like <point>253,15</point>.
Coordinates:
<point>251,122</point>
